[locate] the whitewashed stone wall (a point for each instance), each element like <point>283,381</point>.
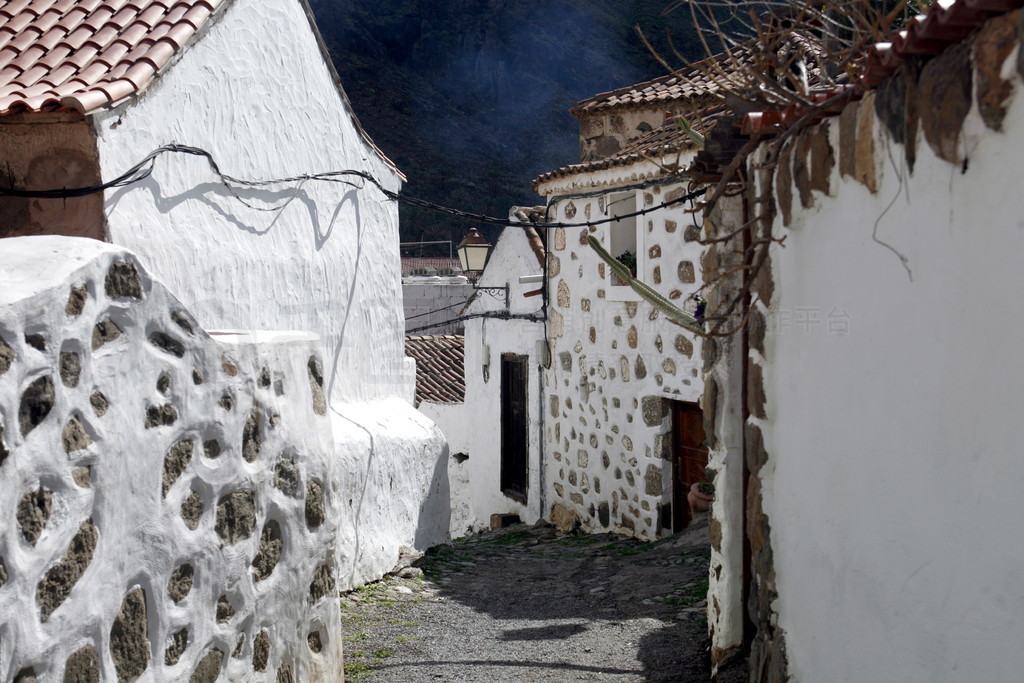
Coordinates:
<point>170,503</point>
<point>327,261</point>
<point>884,387</point>
<point>614,364</point>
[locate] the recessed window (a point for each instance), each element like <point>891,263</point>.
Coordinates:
<point>623,242</point>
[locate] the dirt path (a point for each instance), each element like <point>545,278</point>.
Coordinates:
<point>530,604</point>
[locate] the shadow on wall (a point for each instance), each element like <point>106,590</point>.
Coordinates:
<point>436,510</point>
<point>271,202</point>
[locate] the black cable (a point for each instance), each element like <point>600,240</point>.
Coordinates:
<point>436,310</point>
<point>144,169</point>
<point>500,315</point>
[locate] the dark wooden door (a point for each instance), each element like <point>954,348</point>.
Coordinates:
<point>514,427</point>
<point>689,457</point>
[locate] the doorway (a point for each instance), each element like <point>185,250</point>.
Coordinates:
<point>689,457</point>
<point>514,427</point>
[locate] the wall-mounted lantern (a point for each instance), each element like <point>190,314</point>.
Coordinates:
<point>473,252</point>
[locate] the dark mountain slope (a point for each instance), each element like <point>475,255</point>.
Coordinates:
<point>470,98</point>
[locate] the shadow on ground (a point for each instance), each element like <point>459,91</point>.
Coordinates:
<point>531,604</point>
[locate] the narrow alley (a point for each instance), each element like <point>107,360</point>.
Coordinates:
<point>528,603</point>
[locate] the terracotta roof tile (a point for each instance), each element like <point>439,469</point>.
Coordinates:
<point>669,138</point>
<point>440,367</point>
<point>88,54</point>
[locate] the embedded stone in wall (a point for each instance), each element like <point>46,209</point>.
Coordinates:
<point>123,281</point>
<point>70,368</point>
<point>261,651</point>
<point>576,498</point>
<point>559,239</point>
<point>654,252</point>
<point>251,439</point>
<point>129,637</point>
<point>669,366</point>
<point>315,642</point>
<point>654,409</point>
<point>784,168</point>
<point>656,275</point>
<point>224,609</point>
<point>105,331</point>
<point>314,505</point>
<point>640,368</point>
<point>603,516</point>
<point>652,481</point>
<point>554,265</point>
<point>3,573</point>
<point>176,645</point>
<point>670,226</point>
<point>36,341</point>
<point>322,583</point>
<point>182,320</point>
<point>562,297</point>
<point>83,666</point>
<point>167,343</point>
<point>584,234</point>
<point>36,403</point>
<point>99,404</point>
<point>208,669</point>
<point>74,437</point>
<point>316,385</point>
<point>226,401</point>
<point>630,479</point>
<point>236,516</point>
<point>755,390</point>
<point>180,583</point>
<point>691,233</point>
<point>559,490</point>
<point>56,585</point>
<point>160,416</point>
<point>627,443</point>
<point>175,461</point>
<point>565,359</point>
<point>269,550</point>
<point>192,510</point>
<point>582,458</point>
<point>163,382</point>
<point>76,300</point>
<point>286,477</point>
<point>284,674</point>
<point>197,377</point>
<point>631,337</point>
<point>82,476</point>
<point>33,513</point>
<point>570,210</point>
<point>6,356</point>
<point>686,272</point>
<point>212,448</point>
<point>26,675</point>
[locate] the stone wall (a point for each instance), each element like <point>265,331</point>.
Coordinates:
<point>615,364</point>
<point>170,503</point>
<point>607,132</point>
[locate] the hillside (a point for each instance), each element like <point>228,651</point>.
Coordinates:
<point>470,98</point>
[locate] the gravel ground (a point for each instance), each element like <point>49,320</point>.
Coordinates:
<point>531,604</point>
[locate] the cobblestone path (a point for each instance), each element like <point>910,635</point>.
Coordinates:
<point>531,604</point>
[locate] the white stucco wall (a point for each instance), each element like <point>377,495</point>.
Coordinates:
<point>255,92</point>
<point>893,485</point>
<point>614,357</point>
<point>486,340</point>
<point>126,508</point>
<point>456,422</point>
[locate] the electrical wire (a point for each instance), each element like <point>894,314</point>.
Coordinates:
<point>500,315</point>
<point>144,169</point>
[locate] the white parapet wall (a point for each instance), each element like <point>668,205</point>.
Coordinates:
<point>170,499</point>
<point>892,387</point>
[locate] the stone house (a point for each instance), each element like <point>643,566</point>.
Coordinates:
<point>623,430</point>
<point>181,114</point>
<point>864,432</point>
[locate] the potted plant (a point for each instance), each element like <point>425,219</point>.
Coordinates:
<point>701,495</point>
<point>628,259</point>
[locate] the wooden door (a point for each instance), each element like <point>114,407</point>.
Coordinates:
<point>689,457</point>
<point>514,427</point>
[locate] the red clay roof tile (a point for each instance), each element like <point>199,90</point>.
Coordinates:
<point>89,53</point>
<point>440,367</point>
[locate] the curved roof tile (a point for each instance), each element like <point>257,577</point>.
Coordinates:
<point>89,54</point>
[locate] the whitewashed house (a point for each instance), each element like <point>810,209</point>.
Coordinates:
<point>867,423</point>
<point>88,90</point>
<point>623,429</point>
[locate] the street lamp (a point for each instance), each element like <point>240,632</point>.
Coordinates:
<point>473,252</point>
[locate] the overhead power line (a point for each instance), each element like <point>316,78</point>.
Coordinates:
<point>144,169</point>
